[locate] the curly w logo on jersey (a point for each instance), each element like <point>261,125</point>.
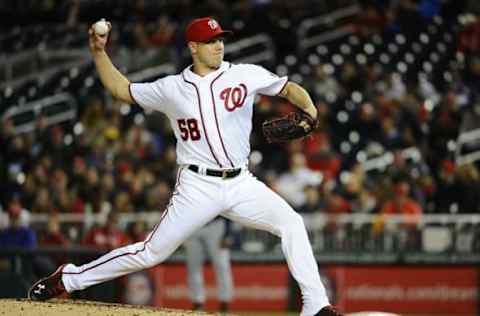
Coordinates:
<point>234,97</point>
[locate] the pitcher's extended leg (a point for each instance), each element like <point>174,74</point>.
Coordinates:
<point>255,205</point>
<point>193,204</point>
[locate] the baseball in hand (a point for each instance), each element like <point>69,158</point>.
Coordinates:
<point>101,27</point>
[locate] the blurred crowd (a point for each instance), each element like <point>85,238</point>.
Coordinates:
<point>116,159</point>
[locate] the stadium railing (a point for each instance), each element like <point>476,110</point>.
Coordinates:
<point>56,109</point>
<point>343,238</point>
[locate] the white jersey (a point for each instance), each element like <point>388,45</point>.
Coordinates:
<point>211,115</point>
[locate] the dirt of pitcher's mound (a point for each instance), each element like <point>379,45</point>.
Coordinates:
<point>24,307</point>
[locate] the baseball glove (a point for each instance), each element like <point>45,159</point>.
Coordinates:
<point>292,126</point>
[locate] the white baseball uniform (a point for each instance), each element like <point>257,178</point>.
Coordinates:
<point>212,120</point>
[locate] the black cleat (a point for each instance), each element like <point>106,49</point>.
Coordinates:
<point>49,287</point>
<point>328,311</point>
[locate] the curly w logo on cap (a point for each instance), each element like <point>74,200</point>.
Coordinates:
<point>204,29</point>
<point>213,24</point>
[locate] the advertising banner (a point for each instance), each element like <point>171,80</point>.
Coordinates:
<point>424,290</point>
<point>258,287</point>
<point>405,290</point>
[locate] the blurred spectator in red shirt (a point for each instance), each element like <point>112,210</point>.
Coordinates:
<point>107,236</point>
<point>337,204</point>
<point>321,157</point>
<point>469,38</point>
<point>53,237</point>
<point>136,231</point>
<point>402,204</point>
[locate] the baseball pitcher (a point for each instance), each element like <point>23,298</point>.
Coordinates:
<point>209,105</point>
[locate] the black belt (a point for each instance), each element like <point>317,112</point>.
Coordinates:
<point>224,174</point>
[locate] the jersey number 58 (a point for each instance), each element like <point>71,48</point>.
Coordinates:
<point>188,129</point>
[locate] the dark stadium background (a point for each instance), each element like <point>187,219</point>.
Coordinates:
<point>389,184</point>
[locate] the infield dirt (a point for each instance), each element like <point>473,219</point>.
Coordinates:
<point>24,307</point>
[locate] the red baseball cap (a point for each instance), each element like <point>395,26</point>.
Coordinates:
<point>204,29</point>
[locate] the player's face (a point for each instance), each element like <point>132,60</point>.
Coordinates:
<point>210,54</point>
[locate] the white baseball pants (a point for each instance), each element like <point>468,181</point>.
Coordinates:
<point>197,199</point>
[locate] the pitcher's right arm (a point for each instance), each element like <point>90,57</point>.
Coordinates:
<point>112,79</point>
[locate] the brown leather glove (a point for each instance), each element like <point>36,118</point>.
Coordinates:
<point>295,125</point>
